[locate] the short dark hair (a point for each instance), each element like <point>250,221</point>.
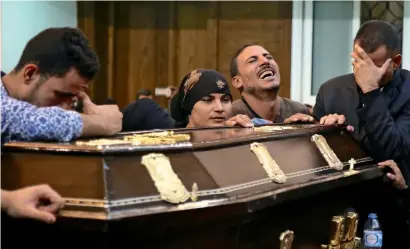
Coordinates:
<point>56,50</point>
<point>375,33</point>
<point>144,92</point>
<point>234,61</point>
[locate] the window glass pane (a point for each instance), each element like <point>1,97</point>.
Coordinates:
<point>389,11</point>
<point>332,41</point>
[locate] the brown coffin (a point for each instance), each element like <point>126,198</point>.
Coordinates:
<point>109,182</point>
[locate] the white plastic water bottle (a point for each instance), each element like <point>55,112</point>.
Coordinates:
<point>373,234</point>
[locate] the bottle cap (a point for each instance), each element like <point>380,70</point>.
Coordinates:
<point>372,216</point>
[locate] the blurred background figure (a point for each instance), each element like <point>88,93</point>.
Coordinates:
<point>144,93</point>
<point>109,101</point>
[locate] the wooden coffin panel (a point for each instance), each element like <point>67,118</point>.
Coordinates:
<point>111,183</point>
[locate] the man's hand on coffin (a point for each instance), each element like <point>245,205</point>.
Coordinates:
<point>241,120</point>
<point>299,117</point>
<point>335,119</point>
<point>394,174</point>
<point>366,73</point>
<point>37,202</point>
<point>101,119</point>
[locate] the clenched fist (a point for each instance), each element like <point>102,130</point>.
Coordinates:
<point>108,117</point>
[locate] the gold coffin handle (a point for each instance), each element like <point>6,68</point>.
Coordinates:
<point>269,165</point>
<point>328,154</point>
<point>350,227</point>
<point>343,232</point>
<point>168,184</point>
<point>286,239</point>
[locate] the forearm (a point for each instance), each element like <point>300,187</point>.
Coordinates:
<point>92,126</point>
<point>25,122</point>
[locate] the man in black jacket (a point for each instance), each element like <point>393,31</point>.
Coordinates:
<point>375,100</point>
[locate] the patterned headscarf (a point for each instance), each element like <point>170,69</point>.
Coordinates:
<point>194,86</point>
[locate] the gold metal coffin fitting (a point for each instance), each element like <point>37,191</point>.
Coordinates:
<point>327,153</point>
<point>271,167</point>
<point>343,232</point>
<point>286,239</point>
<point>169,186</point>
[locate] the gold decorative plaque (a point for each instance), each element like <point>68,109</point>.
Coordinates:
<point>286,239</point>
<point>169,186</point>
<point>271,167</point>
<point>272,128</point>
<point>165,137</point>
<point>327,153</point>
<point>153,138</point>
<point>100,142</point>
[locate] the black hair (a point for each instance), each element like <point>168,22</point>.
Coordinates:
<point>144,92</point>
<point>56,50</point>
<point>376,33</point>
<point>234,60</point>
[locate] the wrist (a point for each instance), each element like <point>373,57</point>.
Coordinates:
<point>93,125</point>
<point>5,199</point>
<point>368,88</point>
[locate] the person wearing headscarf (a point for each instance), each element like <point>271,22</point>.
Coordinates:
<point>204,100</point>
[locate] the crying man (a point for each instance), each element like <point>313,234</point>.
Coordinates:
<point>256,75</point>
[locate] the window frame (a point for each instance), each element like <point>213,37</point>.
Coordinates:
<point>302,44</point>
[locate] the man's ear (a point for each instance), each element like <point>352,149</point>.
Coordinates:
<point>29,73</point>
<point>237,82</point>
<point>397,61</point>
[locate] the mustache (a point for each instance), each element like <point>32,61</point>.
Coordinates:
<point>265,68</point>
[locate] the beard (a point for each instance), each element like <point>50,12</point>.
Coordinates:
<point>263,93</point>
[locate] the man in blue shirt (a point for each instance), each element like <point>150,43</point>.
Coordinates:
<point>55,66</point>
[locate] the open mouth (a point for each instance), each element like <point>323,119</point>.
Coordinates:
<point>266,73</point>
